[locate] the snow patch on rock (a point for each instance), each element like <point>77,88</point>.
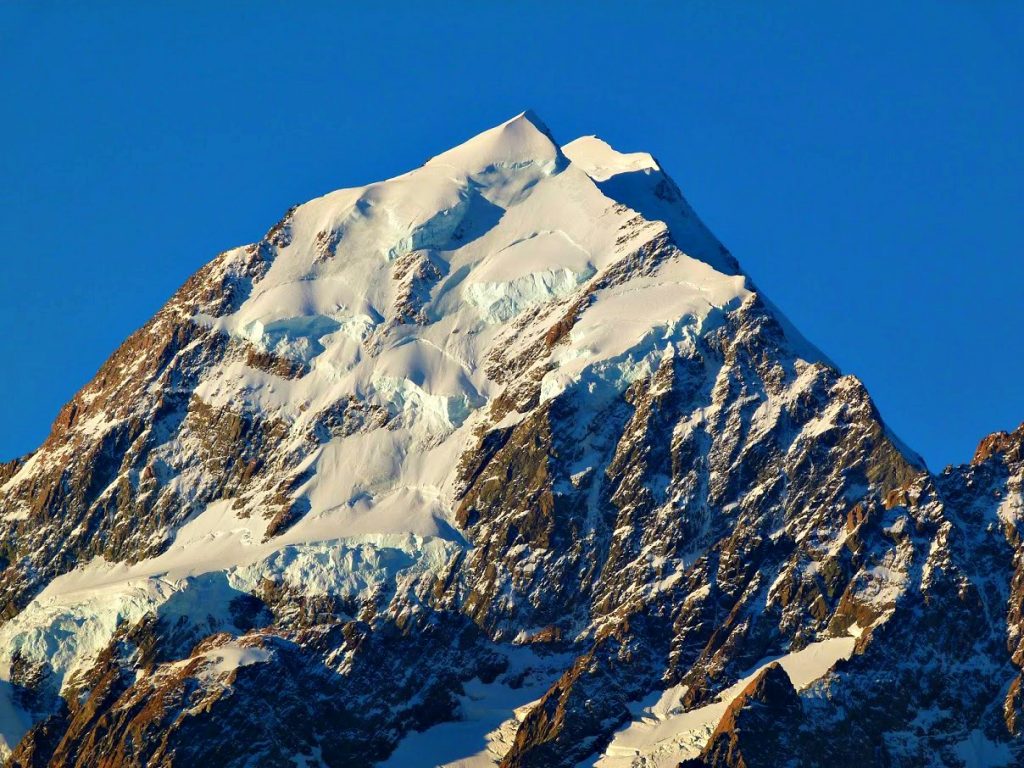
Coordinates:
<point>662,734</point>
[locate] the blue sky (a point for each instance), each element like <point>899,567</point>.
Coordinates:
<point>865,165</point>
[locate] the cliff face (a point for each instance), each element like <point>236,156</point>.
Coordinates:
<point>502,461</point>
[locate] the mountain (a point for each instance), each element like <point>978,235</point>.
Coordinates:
<point>500,462</point>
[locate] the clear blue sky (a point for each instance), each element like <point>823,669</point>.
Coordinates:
<point>865,165</point>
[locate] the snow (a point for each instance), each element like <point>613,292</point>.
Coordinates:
<point>637,181</point>
<point>213,559</point>
<point>66,635</point>
<point>978,751</point>
<point>14,721</point>
<point>1011,508</point>
<point>522,144</point>
<point>314,759</point>
<point>295,337</point>
<point>513,226</point>
<point>601,162</point>
<point>630,327</point>
<point>662,734</point>
<point>488,716</point>
<point>529,272</point>
<point>231,656</point>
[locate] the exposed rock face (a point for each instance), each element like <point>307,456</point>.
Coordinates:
<point>513,423</point>
<point>938,682</point>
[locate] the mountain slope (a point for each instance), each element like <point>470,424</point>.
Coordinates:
<point>507,445</point>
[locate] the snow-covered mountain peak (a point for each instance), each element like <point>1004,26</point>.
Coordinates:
<point>500,224</point>
<point>422,295</point>
<point>519,395</point>
<point>381,328</point>
<point>520,142</point>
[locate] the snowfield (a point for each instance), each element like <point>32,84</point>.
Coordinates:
<point>662,734</point>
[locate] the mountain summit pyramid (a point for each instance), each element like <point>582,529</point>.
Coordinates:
<point>502,461</point>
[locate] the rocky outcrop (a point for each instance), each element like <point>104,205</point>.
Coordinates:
<point>757,727</point>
